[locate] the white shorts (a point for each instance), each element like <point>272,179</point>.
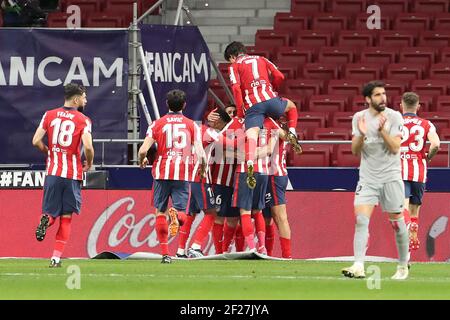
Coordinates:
<point>390,195</point>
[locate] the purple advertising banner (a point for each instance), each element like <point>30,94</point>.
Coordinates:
<point>35,64</point>
<point>177,58</point>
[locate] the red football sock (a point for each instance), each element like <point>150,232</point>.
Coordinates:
<point>270,238</point>
<point>260,226</point>
<point>162,230</point>
<point>292,117</point>
<point>203,229</point>
<point>285,248</point>
<point>239,239</point>
<point>62,236</point>
<point>182,217</point>
<point>250,149</point>
<point>228,233</point>
<point>248,230</point>
<point>185,230</point>
<point>218,236</point>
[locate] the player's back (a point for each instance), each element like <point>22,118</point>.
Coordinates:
<point>224,162</point>
<point>412,150</point>
<point>277,165</point>
<point>174,135</point>
<point>64,127</point>
<point>252,73</point>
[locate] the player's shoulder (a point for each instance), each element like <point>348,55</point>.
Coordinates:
<point>53,111</point>
<point>360,113</point>
<point>394,114</point>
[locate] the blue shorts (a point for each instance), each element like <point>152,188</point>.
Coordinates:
<point>61,195</point>
<point>255,115</point>
<point>246,198</point>
<point>276,193</point>
<point>202,197</point>
<point>176,189</point>
<point>224,196</point>
<point>414,191</point>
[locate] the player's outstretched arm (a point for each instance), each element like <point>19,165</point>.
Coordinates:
<point>142,153</point>
<point>37,140</point>
<point>88,150</point>
<point>435,143</point>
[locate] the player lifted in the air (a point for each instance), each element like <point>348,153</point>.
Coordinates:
<point>256,98</point>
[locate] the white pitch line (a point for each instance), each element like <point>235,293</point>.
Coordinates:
<point>119,275</point>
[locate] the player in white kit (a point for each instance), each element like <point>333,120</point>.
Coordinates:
<point>377,133</point>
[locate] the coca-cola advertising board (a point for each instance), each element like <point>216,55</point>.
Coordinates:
<point>322,225</point>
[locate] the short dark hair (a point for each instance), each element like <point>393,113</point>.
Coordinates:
<point>73,89</point>
<point>410,99</point>
<point>234,49</point>
<point>176,100</point>
<point>224,116</point>
<point>368,88</point>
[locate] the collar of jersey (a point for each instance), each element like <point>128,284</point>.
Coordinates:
<point>171,112</point>
<point>69,108</point>
<point>410,114</point>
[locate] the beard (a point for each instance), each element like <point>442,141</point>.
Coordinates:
<point>379,107</point>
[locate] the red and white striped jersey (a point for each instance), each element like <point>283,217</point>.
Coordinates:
<point>223,161</point>
<point>277,165</point>
<point>412,150</point>
<point>174,135</point>
<point>64,127</point>
<point>261,164</point>
<point>251,74</point>
<point>209,135</point>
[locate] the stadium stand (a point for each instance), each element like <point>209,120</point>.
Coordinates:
<point>327,53</point>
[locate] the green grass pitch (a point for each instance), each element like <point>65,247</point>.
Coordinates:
<point>214,280</point>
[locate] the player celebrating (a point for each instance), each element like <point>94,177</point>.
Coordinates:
<point>377,133</point>
<point>276,195</point>
<point>414,160</point>
<point>175,136</point>
<point>65,127</point>
<point>201,199</point>
<point>255,98</point>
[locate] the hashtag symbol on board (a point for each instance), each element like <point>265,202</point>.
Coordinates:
<point>5,179</point>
